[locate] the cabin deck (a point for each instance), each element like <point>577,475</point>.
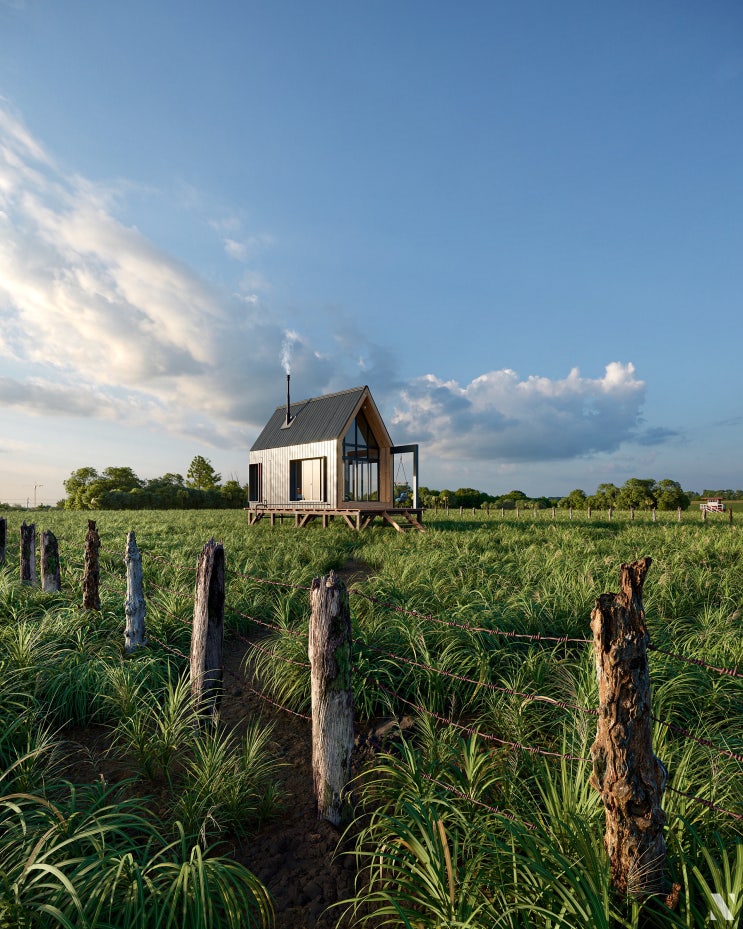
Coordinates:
<point>400,518</point>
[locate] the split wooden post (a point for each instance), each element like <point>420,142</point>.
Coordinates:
<point>28,554</point>
<point>3,537</point>
<point>134,604</point>
<point>91,569</point>
<point>51,579</point>
<point>332,697</point>
<point>207,635</point>
<point>627,774</point>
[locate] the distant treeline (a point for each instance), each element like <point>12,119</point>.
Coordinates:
<point>202,488</point>
<point>636,493</point>
<point>121,489</point>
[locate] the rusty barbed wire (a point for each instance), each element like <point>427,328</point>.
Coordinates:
<point>486,684</point>
<point>730,672</point>
<point>473,730</point>
<point>267,625</point>
<point>707,803</point>
<point>506,633</point>
<point>267,651</point>
<point>535,636</point>
<point>463,796</point>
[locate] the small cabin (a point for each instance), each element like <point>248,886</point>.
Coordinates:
<point>329,453</point>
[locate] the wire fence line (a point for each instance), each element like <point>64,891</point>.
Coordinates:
<point>487,685</point>
<point>507,634</point>
<point>734,672</point>
<point>478,683</point>
<point>532,636</point>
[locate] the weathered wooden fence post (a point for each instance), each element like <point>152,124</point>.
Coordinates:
<point>91,569</point>
<point>627,774</point>
<point>51,578</point>
<point>655,515</point>
<point>3,538</point>
<point>28,554</point>
<point>208,631</point>
<point>610,512</point>
<point>134,604</point>
<point>678,515</point>
<point>332,696</point>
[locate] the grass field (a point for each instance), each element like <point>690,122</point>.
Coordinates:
<point>480,815</point>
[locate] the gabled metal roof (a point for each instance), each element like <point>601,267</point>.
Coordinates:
<point>313,420</point>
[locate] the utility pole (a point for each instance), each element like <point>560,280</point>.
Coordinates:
<point>35,487</point>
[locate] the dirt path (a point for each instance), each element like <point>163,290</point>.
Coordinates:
<point>295,854</point>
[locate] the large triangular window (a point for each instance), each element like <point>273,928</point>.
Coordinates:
<point>360,461</point>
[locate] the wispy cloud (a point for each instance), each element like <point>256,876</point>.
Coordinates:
<point>113,327</point>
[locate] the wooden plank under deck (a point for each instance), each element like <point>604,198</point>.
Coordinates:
<point>399,518</point>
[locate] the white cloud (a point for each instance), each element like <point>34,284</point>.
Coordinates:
<point>114,328</point>
<point>500,417</point>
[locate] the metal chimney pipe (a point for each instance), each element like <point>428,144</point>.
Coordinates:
<point>288,402</point>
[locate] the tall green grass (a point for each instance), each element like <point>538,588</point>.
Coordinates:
<point>456,827</point>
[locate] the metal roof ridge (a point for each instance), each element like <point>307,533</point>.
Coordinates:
<point>337,393</point>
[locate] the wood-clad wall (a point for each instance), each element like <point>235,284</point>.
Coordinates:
<point>275,474</point>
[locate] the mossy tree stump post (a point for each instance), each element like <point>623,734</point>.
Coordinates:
<point>627,774</point>
<point>3,538</point>
<point>208,631</point>
<point>134,604</point>
<point>51,578</point>
<point>91,569</point>
<point>332,697</point>
<point>28,554</point>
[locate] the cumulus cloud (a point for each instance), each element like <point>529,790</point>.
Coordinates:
<point>501,417</point>
<point>110,326</point>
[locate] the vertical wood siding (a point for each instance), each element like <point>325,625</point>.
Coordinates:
<point>275,461</point>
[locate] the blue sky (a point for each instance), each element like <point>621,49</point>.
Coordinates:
<point>520,223</point>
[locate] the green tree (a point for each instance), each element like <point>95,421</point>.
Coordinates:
<point>448,498</point>
<point>606,496</point>
<point>670,496</point>
<point>77,486</point>
<point>576,498</point>
<point>512,499</point>
<point>233,494</point>
<point>469,497</point>
<point>637,493</point>
<point>121,479</point>
<point>201,475</point>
